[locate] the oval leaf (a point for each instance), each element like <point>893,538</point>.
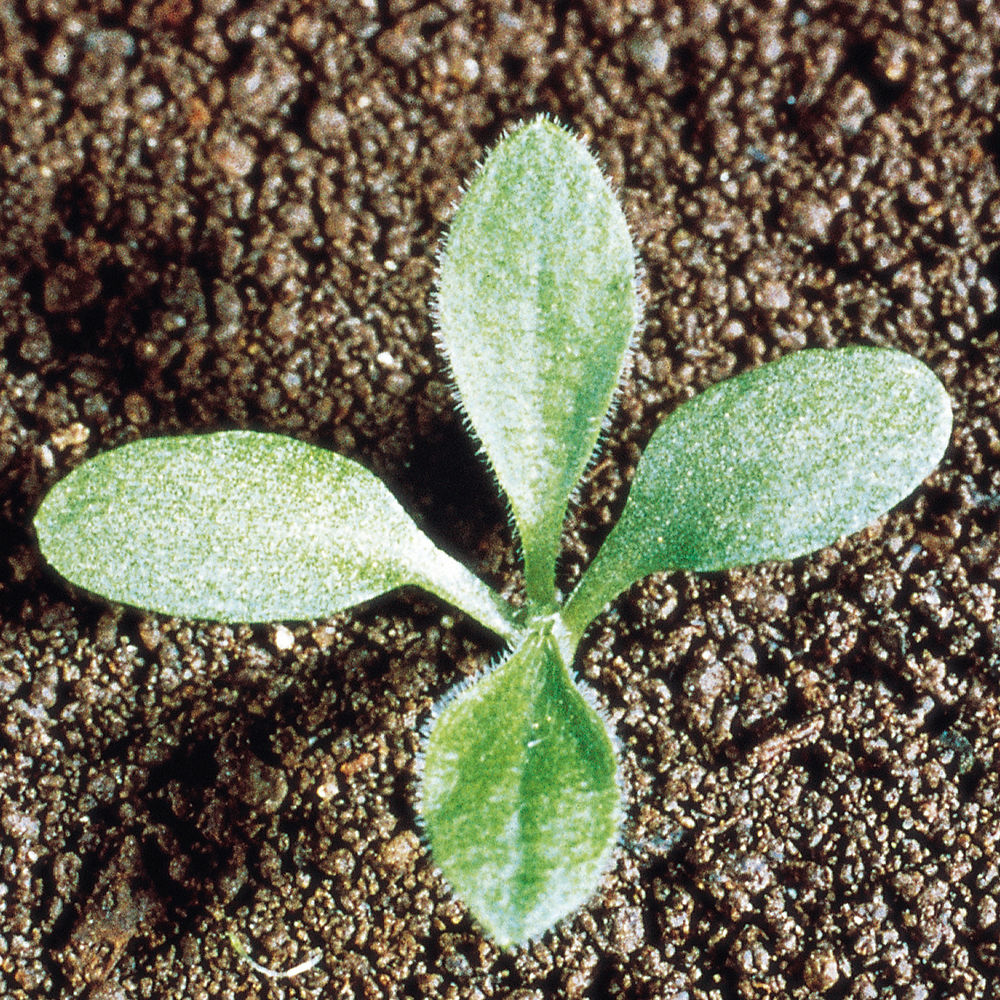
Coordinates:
<point>774,464</point>
<point>242,526</point>
<point>519,795</point>
<point>536,308</point>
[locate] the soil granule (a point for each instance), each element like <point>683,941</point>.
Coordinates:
<point>215,215</point>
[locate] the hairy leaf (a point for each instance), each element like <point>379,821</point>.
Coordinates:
<point>536,309</point>
<point>518,793</point>
<point>773,464</point>
<point>242,526</point>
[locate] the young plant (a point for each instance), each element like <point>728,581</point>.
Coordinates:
<point>537,307</point>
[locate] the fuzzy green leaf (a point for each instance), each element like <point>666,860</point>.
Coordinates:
<point>773,464</point>
<point>519,794</point>
<point>537,305</point>
<point>242,526</point>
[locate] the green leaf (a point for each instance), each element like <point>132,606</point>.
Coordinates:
<point>536,307</point>
<point>519,794</point>
<point>773,464</point>
<point>242,526</point>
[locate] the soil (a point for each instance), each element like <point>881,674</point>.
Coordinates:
<point>223,215</point>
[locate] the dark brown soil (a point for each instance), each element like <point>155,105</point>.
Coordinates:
<point>215,215</point>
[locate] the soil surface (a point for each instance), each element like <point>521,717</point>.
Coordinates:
<point>222,215</point>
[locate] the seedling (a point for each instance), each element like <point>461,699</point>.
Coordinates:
<point>536,311</point>
<point>241,949</point>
